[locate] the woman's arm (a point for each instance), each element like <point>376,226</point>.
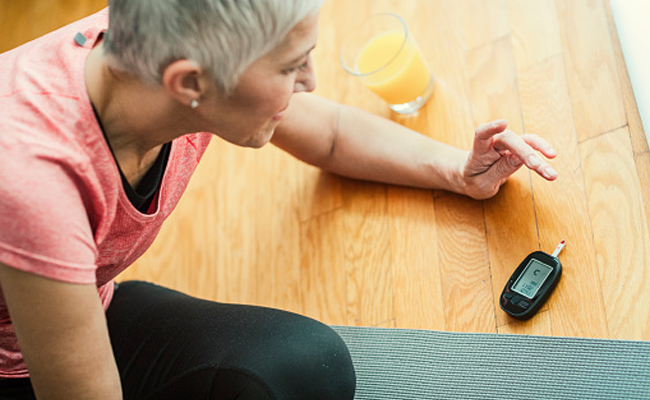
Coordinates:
<point>61,330</point>
<point>357,144</point>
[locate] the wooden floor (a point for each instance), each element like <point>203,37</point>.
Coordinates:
<point>257,226</point>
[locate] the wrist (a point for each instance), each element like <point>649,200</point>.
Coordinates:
<point>456,177</point>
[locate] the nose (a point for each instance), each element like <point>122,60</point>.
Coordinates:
<point>306,79</point>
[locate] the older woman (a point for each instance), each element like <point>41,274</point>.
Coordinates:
<point>98,139</point>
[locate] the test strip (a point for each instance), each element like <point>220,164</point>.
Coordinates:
<point>559,248</point>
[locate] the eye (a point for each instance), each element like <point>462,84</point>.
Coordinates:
<point>289,71</point>
<point>297,67</point>
<point>304,65</point>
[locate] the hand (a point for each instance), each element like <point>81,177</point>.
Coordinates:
<point>499,153</point>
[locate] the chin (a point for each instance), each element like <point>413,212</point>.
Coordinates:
<point>259,140</point>
<point>255,144</point>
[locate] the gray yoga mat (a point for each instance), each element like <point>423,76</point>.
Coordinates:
<point>402,364</point>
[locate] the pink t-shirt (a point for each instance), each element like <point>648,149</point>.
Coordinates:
<point>63,211</point>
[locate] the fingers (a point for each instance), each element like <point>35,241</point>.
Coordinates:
<point>539,144</point>
<point>525,148</point>
<point>485,132</point>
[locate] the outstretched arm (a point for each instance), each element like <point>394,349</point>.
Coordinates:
<point>357,144</point>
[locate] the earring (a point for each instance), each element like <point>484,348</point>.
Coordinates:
<point>194,103</point>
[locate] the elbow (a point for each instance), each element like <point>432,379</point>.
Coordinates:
<point>327,159</point>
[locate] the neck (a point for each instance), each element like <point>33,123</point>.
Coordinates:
<point>137,119</point>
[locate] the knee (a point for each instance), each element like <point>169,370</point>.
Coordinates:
<point>302,359</point>
<point>320,362</point>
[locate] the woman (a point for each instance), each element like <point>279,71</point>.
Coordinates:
<point>98,125</point>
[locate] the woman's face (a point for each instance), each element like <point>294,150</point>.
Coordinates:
<point>249,116</point>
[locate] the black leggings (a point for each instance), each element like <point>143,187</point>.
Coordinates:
<point>170,346</point>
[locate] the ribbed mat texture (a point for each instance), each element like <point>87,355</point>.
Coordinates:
<point>403,364</point>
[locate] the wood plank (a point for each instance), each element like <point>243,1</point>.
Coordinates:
<point>535,31</point>
<point>493,82</point>
<point>591,69</point>
<point>449,111</point>
<point>319,192</point>
<point>620,233</point>
<point>366,239</point>
<point>466,281</point>
<point>561,206</point>
<point>485,21</point>
<point>415,259</point>
<point>323,286</point>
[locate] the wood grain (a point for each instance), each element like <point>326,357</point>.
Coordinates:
<point>535,31</point>
<point>259,227</point>
<point>485,21</point>
<point>590,67</point>
<point>418,290</point>
<point>323,278</point>
<point>466,281</point>
<point>366,241</point>
<point>620,232</point>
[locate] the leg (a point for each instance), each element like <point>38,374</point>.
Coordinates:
<point>16,389</point>
<point>171,346</point>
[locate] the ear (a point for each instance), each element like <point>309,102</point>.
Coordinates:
<point>185,81</point>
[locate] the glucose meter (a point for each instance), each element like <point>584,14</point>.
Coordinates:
<point>532,283</point>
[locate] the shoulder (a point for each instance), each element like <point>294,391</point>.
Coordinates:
<point>52,64</point>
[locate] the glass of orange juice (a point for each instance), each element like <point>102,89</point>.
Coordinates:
<point>384,55</point>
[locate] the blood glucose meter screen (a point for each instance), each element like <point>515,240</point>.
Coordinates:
<point>532,278</point>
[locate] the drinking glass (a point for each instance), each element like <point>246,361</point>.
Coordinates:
<point>383,54</point>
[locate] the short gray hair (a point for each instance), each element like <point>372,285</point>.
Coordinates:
<point>223,36</point>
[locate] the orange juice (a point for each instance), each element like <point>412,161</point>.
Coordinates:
<point>401,74</point>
